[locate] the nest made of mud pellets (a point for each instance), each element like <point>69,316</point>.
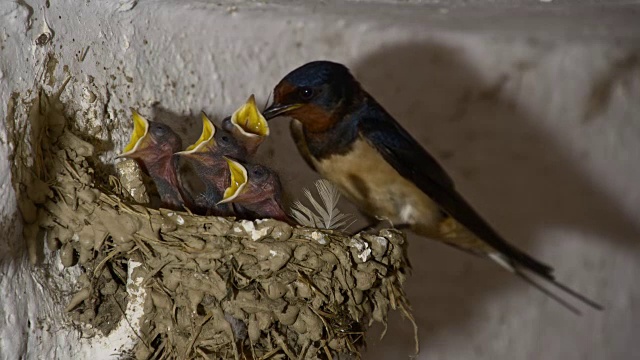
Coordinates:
<point>214,287</point>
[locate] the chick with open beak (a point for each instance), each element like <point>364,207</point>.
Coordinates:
<point>255,191</point>
<point>152,145</point>
<point>248,126</point>
<point>206,156</point>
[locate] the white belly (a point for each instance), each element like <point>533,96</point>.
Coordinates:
<point>366,179</point>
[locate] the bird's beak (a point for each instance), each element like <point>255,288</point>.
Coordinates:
<point>249,120</point>
<point>206,138</point>
<point>276,110</point>
<point>138,136</point>
<point>239,179</point>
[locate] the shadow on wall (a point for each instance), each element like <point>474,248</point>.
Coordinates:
<point>521,178</point>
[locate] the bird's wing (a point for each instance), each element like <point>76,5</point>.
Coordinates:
<point>415,164</point>
<point>295,127</point>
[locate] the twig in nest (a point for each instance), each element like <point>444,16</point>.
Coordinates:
<point>283,345</point>
<point>326,350</point>
<point>271,353</point>
<point>124,315</point>
<point>415,326</point>
<point>195,335</point>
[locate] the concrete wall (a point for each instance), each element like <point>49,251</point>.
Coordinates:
<point>532,106</point>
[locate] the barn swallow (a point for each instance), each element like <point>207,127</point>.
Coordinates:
<point>152,145</point>
<point>351,140</point>
<point>247,125</point>
<point>255,190</point>
<point>207,158</point>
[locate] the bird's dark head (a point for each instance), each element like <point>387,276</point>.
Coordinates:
<point>251,183</point>
<point>213,143</point>
<point>164,138</point>
<point>151,140</point>
<point>317,94</point>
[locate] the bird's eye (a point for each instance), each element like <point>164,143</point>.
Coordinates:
<point>225,138</point>
<point>258,172</point>
<point>306,93</point>
<point>159,130</point>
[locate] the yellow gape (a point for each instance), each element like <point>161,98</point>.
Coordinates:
<point>249,120</point>
<point>140,129</point>
<point>206,137</point>
<point>238,181</point>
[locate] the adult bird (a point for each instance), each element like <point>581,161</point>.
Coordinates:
<point>152,145</point>
<point>344,134</point>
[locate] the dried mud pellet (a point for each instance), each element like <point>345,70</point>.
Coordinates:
<point>160,300</point>
<point>99,238</point>
<point>394,236</point>
<point>148,303</point>
<point>39,191</point>
<point>281,232</point>
<point>301,252</point>
<point>195,297</point>
<point>253,329</point>
<point>142,351</point>
<point>45,219</point>
<point>357,296</point>
<point>303,290</point>
<point>79,297</point>
<point>329,258</point>
<point>28,210</point>
<point>69,140</point>
<point>275,290</point>
<point>30,234</point>
<point>364,279</point>
<point>336,344</point>
<point>67,256</point>
<point>64,235</point>
<point>289,315</point>
<point>86,254</point>
<point>122,248</point>
<point>314,262</point>
<point>171,279</point>
<point>314,324</point>
<point>338,297</point>
<point>299,326</point>
<point>277,256</point>
<point>109,288</point>
<point>86,237</point>
<point>379,245</point>
<point>244,260</point>
<point>196,244</point>
<point>88,195</point>
<point>265,320</point>
<point>83,280</point>
<point>53,243</point>
<point>85,179</point>
<point>258,230</point>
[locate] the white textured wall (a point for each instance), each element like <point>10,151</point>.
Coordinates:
<point>534,109</point>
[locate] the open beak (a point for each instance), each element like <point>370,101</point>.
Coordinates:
<point>276,110</point>
<point>239,179</point>
<point>206,139</point>
<point>249,120</point>
<point>140,131</point>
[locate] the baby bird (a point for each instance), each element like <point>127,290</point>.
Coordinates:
<point>206,156</point>
<point>255,191</point>
<point>152,145</point>
<point>248,126</point>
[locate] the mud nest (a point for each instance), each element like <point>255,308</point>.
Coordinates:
<point>213,287</point>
